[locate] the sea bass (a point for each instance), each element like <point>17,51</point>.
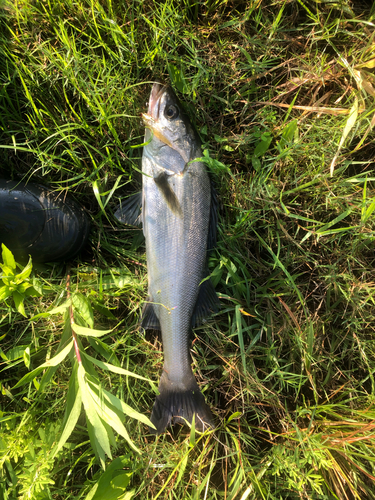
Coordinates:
<point>179,216</point>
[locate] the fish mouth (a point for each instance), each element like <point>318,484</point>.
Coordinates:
<point>154,103</point>
<point>151,117</point>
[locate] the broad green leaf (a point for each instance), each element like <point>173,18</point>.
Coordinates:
<point>248,57</point>
<point>14,353</point>
<point>18,302</point>
<point>109,415</point>
<point>81,330</point>
<point>104,350</point>
<point>26,357</point>
<point>4,292</point>
<point>98,450</point>
<point>236,414</point>
<point>263,145</point>
<point>99,431</point>
<point>110,434</point>
<point>46,377</point>
<point>29,377</point>
<point>112,368</point>
<point>51,362</point>
<point>56,360</point>
<point>256,163</point>
<point>8,258</point>
<point>32,292</point>
<point>7,276</point>
<point>66,337</point>
<point>83,307</point>
<point>123,407</point>
<point>56,310</point>
<point>38,287</point>
<point>25,273</point>
<point>287,135</point>
<point>105,311</point>
<point>73,409</point>
<point>22,287</point>
<point>116,280</point>
<point>113,481</point>
<point>126,409</point>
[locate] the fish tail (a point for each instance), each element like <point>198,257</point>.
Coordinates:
<point>177,403</point>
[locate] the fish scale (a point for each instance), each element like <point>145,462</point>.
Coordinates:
<point>176,258</point>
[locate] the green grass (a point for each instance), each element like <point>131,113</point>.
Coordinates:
<point>282,94</point>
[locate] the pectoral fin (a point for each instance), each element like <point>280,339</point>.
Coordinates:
<point>168,194</point>
<point>129,210</point>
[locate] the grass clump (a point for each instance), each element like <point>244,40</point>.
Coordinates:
<point>282,94</point>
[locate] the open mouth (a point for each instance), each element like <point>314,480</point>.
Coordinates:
<point>153,111</point>
<point>154,103</point>
<point>150,119</point>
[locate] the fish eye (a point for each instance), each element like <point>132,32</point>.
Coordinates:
<point>171,112</point>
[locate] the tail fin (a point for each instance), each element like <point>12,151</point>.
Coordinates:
<point>177,404</point>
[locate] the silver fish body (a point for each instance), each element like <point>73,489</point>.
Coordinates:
<point>177,210</point>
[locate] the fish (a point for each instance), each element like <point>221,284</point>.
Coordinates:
<point>179,216</point>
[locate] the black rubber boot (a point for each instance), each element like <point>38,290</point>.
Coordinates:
<point>39,222</point>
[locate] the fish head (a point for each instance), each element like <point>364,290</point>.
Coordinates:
<point>168,126</point>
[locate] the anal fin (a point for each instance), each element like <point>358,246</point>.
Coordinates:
<point>149,318</point>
